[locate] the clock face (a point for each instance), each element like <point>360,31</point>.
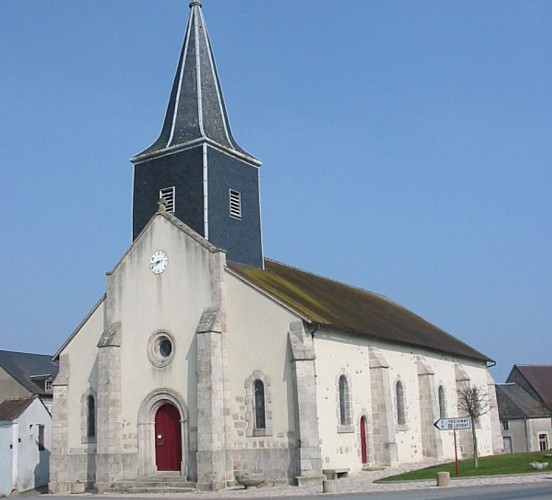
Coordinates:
<point>159,261</point>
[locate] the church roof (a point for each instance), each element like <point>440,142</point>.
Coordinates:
<point>514,402</point>
<point>11,409</point>
<point>30,370</point>
<point>332,304</point>
<point>196,112</point>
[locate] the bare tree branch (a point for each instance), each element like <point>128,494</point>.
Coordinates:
<point>474,401</point>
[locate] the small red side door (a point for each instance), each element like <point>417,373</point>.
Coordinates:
<point>168,440</point>
<point>363,440</point>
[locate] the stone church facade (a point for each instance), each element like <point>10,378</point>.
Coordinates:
<point>204,359</point>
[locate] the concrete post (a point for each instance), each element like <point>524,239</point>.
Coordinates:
<point>443,479</point>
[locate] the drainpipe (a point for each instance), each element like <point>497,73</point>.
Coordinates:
<point>316,328</point>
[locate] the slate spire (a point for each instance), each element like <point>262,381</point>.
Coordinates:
<point>196,112</point>
<point>196,167</point>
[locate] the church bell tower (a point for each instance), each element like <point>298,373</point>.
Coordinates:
<point>196,166</point>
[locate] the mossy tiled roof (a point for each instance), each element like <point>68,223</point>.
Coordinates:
<point>332,304</point>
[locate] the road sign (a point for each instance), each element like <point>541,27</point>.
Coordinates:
<point>452,424</point>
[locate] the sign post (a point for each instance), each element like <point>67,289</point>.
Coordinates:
<point>456,469</point>
<point>453,424</point>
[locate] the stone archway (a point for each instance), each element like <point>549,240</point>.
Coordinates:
<point>146,430</point>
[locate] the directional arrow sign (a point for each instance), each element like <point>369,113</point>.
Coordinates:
<point>452,424</point>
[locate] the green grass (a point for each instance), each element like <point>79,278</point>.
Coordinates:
<point>514,463</point>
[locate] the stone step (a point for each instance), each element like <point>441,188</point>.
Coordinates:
<point>372,468</point>
<point>154,484</point>
<point>158,489</point>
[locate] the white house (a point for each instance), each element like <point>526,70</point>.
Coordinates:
<point>25,429</point>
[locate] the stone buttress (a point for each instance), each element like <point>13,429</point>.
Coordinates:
<point>59,460</point>
<point>303,364</point>
<point>385,447</point>
<point>432,445</point>
<point>109,459</point>
<point>496,432</point>
<point>465,440</point>
<point>214,463</point>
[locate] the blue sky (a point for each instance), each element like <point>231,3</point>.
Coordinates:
<point>406,149</point>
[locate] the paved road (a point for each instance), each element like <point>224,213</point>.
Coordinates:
<point>508,492</point>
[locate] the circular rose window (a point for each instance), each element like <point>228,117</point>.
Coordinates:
<point>161,349</point>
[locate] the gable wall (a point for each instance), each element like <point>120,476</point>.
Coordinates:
<point>10,388</point>
<point>144,303</point>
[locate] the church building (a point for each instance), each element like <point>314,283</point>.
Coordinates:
<point>204,360</point>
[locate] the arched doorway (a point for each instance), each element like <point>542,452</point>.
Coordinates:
<point>175,414</point>
<point>363,448</point>
<point>168,438</point>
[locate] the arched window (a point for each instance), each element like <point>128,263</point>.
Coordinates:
<point>91,420</point>
<point>442,403</point>
<point>344,415</point>
<point>399,389</point>
<point>260,420</point>
<point>258,405</point>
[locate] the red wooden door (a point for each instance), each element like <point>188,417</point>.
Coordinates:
<point>363,440</point>
<point>168,440</point>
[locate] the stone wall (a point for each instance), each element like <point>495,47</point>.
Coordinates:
<point>273,458</point>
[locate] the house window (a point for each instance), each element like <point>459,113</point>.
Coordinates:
<point>260,422</point>
<point>91,417</point>
<point>543,442</point>
<point>505,425</point>
<point>399,392</point>
<point>258,406</point>
<point>442,403</point>
<point>41,438</point>
<point>166,195</point>
<point>48,386</point>
<point>235,204</point>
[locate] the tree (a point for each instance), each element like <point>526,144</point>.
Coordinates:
<point>473,400</point>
